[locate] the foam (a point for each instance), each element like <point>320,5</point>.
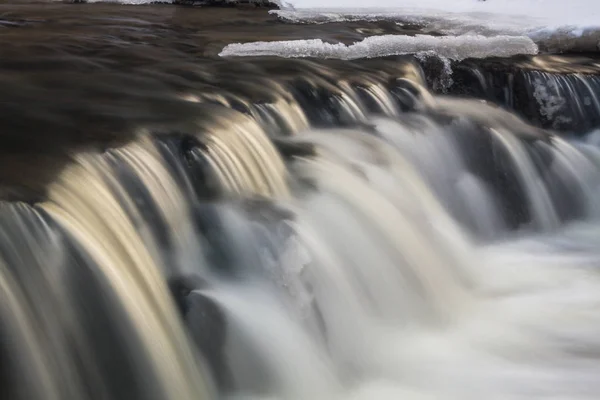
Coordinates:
<point>452,47</point>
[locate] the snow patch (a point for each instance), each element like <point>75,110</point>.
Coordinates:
<point>548,12</point>
<point>458,17</point>
<point>450,47</point>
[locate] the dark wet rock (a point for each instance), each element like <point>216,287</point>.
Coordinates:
<point>438,71</point>
<point>554,92</point>
<point>205,323</point>
<point>568,42</point>
<point>230,3</point>
<point>291,149</point>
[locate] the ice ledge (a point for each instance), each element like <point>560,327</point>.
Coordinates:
<point>452,47</point>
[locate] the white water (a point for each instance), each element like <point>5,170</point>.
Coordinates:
<point>394,233</point>
<point>414,309</point>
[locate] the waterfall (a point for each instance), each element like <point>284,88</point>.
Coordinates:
<point>325,235</point>
<point>553,94</point>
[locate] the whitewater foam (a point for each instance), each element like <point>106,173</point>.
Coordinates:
<point>452,47</point>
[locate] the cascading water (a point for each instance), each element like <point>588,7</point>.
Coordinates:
<point>320,229</point>
<point>434,241</point>
<point>549,92</point>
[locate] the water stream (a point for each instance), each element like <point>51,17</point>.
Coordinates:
<point>314,230</point>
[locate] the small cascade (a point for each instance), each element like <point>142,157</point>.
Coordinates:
<point>241,157</point>
<point>321,230</point>
<point>565,101</point>
<point>126,215</point>
<point>560,97</point>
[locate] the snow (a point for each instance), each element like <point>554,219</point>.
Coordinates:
<point>560,12</point>
<point>513,17</point>
<point>565,24</point>
<point>452,47</point>
<point>452,17</point>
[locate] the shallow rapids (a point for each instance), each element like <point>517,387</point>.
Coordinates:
<point>446,251</point>
<point>176,226</point>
